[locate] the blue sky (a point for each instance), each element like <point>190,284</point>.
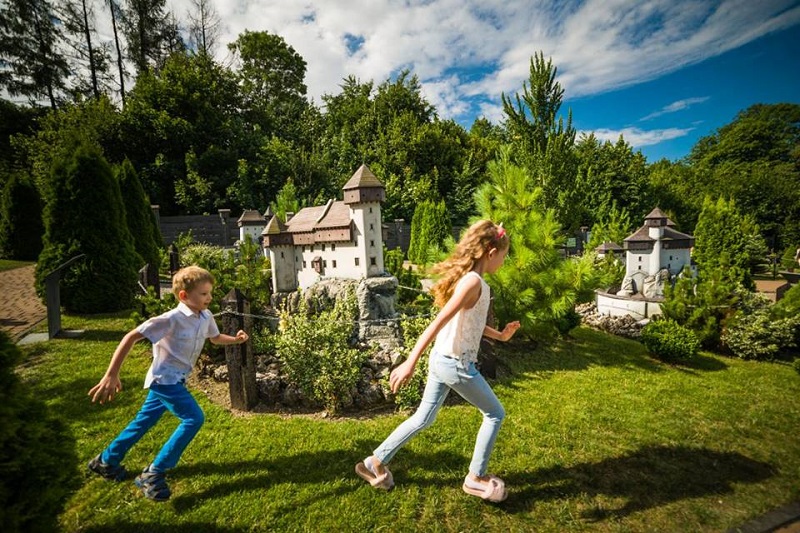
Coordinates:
<point>661,72</point>
<point>696,100</point>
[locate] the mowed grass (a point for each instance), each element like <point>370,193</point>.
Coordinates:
<point>598,437</point>
<point>10,264</point>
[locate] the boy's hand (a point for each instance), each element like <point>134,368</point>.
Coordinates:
<point>509,330</point>
<point>106,389</point>
<point>241,336</point>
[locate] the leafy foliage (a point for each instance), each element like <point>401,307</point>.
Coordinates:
<point>535,285</point>
<point>702,305</point>
<point>37,453</point>
<point>21,226</point>
<point>85,215</point>
<point>669,341</point>
<point>317,355</point>
<point>409,396</point>
<point>758,336</point>
<point>139,216</point>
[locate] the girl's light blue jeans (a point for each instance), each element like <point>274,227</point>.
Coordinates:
<point>178,401</point>
<point>445,373</point>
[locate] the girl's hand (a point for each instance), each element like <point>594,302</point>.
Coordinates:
<point>509,330</point>
<point>401,375</point>
<point>106,389</point>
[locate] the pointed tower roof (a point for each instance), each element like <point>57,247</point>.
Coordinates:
<point>363,177</point>
<point>274,227</point>
<point>656,213</point>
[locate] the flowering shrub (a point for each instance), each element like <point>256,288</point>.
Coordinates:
<point>757,336</point>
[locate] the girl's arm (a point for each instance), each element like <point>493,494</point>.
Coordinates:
<point>110,384</point>
<point>223,339</point>
<point>464,297</point>
<point>504,335</point>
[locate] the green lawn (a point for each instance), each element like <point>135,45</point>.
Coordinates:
<point>10,264</point>
<point>598,437</point>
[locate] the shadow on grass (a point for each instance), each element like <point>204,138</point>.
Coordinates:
<point>154,527</point>
<point>649,477</point>
<point>582,349</point>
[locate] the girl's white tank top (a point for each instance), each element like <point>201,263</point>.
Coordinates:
<point>460,338</point>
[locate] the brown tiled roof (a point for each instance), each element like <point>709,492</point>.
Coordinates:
<point>608,246</point>
<point>656,213</point>
<point>250,215</point>
<point>305,219</point>
<point>643,234</point>
<point>337,216</point>
<point>363,177</point>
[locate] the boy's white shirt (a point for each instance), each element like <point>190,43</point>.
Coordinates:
<point>178,337</point>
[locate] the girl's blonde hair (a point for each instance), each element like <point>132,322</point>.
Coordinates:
<point>190,277</point>
<point>476,242</point>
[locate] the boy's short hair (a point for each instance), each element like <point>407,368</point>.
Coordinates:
<point>190,277</point>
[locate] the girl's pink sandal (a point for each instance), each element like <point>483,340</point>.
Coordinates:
<point>384,482</point>
<point>493,490</point>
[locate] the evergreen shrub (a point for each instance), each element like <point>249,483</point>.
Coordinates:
<point>21,227</point>
<point>758,336</point>
<point>318,355</point>
<point>409,396</point>
<point>669,341</point>
<point>84,214</point>
<point>37,454</point>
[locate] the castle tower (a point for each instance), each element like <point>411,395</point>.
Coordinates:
<point>363,193</point>
<point>281,255</point>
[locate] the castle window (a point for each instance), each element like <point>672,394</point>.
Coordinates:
<point>640,258</point>
<point>333,249</point>
<point>334,263</point>
<point>304,264</point>
<point>372,226</point>
<point>324,264</point>
<point>640,267</point>
<point>281,255</point>
<point>372,261</point>
<point>323,247</point>
<point>356,261</point>
<point>370,210</point>
<point>372,244</point>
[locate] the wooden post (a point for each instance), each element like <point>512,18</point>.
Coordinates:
<point>239,357</point>
<point>53,297</point>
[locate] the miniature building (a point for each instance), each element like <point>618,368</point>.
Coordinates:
<point>608,247</point>
<point>654,254</point>
<point>251,223</point>
<point>341,239</point>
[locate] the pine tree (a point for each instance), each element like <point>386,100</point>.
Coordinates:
<point>32,64</point>
<point>536,285</point>
<point>21,226</point>
<point>85,215</point>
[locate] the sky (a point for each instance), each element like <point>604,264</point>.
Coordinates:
<point>663,73</point>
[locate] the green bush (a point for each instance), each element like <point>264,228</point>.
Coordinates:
<point>409,396</point>
<point>21,227</point>
<point>84,214</point>
<point>37,454</point>
<point>317,354</point>
<point>669,341</point>
<point>796,365</point>
<point>758,336</point>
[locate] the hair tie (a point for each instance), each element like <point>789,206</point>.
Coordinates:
<point>501,231</point>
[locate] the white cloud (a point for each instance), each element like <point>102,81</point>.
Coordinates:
<point>674,107</point>
<point>597,45</point>
<point>637,137</point>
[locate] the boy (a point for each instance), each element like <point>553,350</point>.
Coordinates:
<point>178,337</point>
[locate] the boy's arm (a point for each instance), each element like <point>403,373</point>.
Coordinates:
<point>110,384</point>
<point>223,339</point>
<point>504,335</point>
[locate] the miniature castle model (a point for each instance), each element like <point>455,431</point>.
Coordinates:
<point>252,223</point>
<point>653,255</point>
<point>341,239</point>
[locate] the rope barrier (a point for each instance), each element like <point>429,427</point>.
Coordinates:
<point>371,321</point>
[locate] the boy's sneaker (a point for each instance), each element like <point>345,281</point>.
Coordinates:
<point>105,470</point>
<point>153,485</point>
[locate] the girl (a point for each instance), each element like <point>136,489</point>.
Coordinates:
<point>463,297</point>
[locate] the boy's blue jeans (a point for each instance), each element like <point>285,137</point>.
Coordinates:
<point>178,401</point>
<point>445,373</point>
